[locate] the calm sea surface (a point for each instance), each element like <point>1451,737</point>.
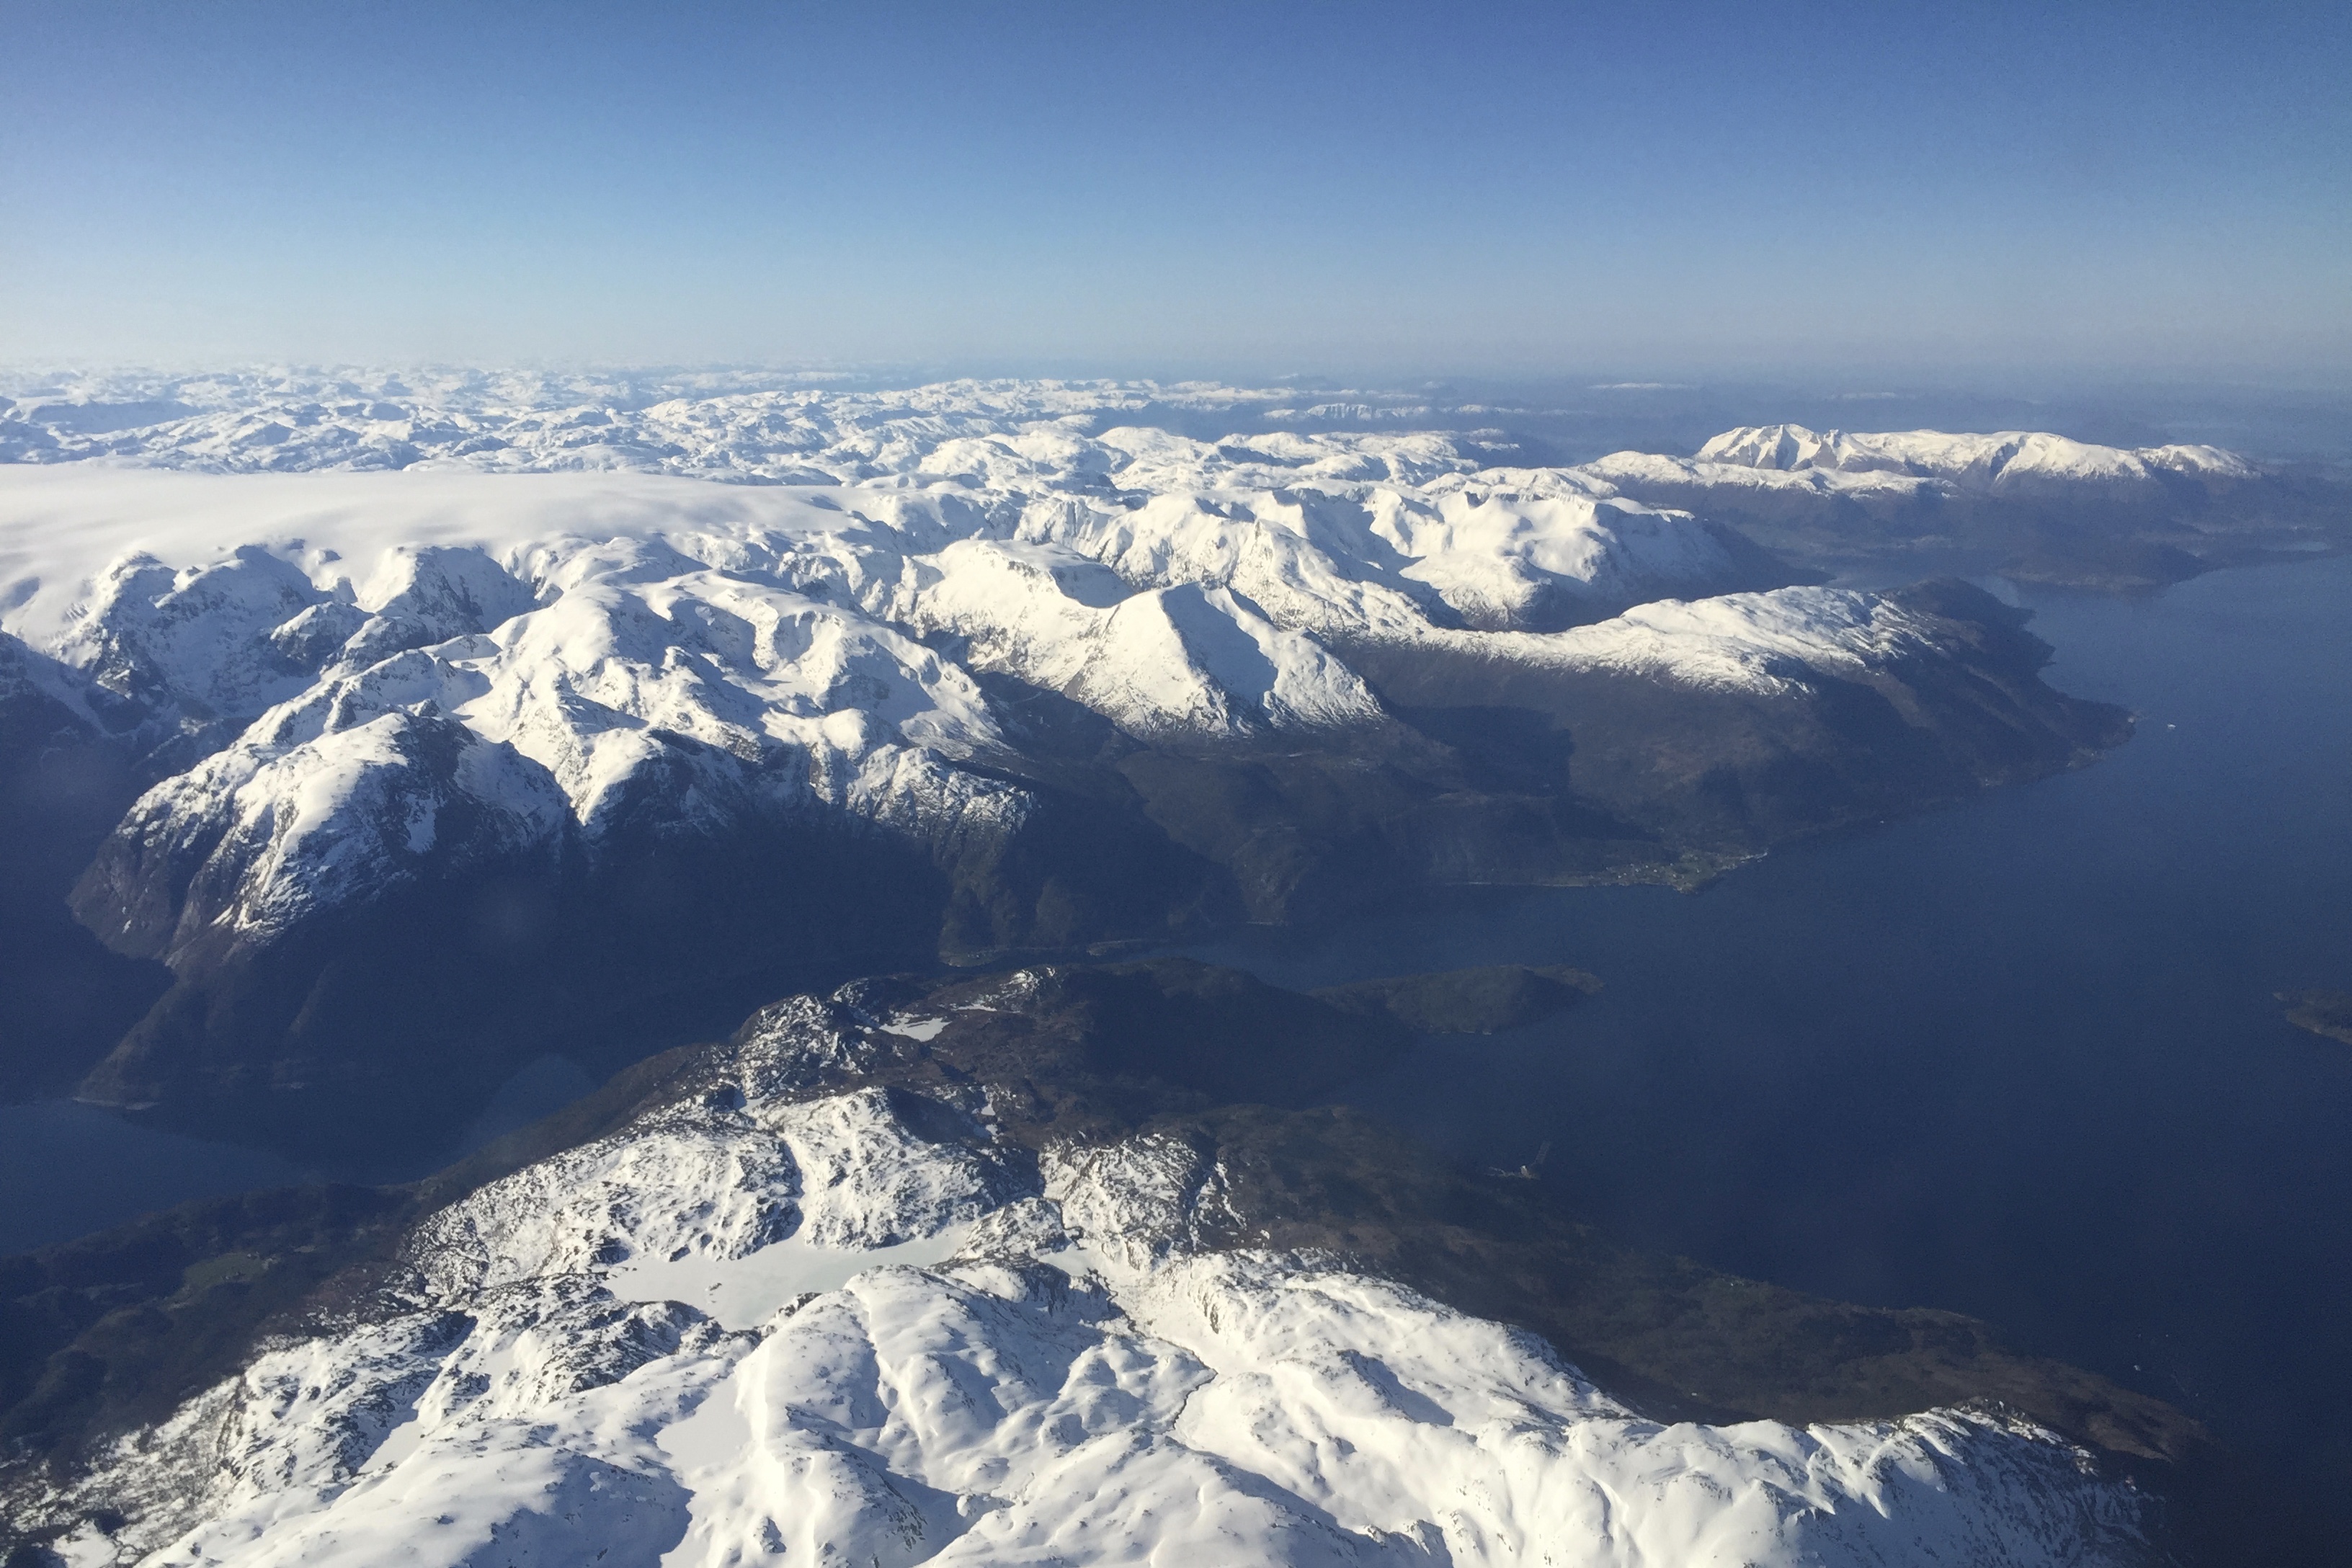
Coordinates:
<point>2020,1058</point>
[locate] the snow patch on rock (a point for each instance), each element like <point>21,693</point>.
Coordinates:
<point>1182,663</point>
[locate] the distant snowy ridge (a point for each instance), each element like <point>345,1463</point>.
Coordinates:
<point>771,1324</point>
<point>1501,546</point>
<point>1742,471</point>
<point>811,428</point>
<point>2010,459</point>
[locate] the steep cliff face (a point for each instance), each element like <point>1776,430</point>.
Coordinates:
<point>65,999</point>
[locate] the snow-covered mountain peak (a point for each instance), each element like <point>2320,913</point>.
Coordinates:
<point>459,588</point>
<point>1516,548</point>
<point>200,635</point>
<point>1187,663</point>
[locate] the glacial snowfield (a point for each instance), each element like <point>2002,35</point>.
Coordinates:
<point>775,1323</point>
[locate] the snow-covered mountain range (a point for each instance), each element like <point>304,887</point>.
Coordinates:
<point>816,650</point>
<point>885,1280</point>
<point>820,427</point>
<point>491,663</point>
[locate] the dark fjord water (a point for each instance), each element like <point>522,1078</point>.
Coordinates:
<point>2020,1058</point>
<point>67,1169</point>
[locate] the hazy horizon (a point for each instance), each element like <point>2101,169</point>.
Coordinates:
<point>1558,418</point>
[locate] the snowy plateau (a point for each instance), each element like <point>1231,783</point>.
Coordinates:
<point>793,1311</point>
<point>433,723</point>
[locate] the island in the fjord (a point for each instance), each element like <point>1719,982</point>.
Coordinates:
<point>2327,1013</point>
<point>1475,1001</point>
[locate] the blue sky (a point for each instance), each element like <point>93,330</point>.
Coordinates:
<point>1635,190</point>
